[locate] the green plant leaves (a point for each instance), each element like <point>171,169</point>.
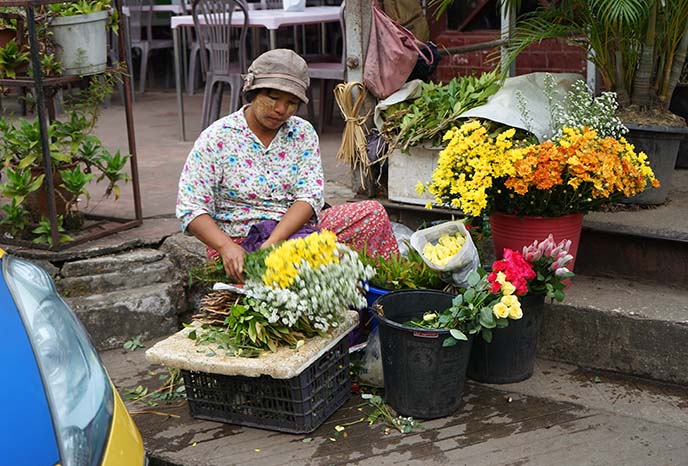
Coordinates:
<point>12,57</point>
<point>449,342</point>
<point>487,318</point>
<point>133,344</point>
<point>19,184</point>
<point>426,118</point>
<point>458,334</point>
<point>43,231</point>
<point>247,332</point>
<point>399,272</point>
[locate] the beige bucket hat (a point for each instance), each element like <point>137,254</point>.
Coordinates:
<point>280,69</point>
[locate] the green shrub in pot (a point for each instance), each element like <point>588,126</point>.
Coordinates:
<point>77,157</point>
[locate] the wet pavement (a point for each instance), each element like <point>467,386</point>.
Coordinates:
<point>561,416</point>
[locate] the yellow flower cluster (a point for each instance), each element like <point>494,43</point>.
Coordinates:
<point>478,171</point>
<point>468,165</point>
<point>446,247</point>
<point>281,265</point>
<point>509,305</point>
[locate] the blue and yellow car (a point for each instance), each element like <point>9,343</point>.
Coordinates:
<point>59,405</point>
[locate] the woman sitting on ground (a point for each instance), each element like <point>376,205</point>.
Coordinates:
<point>255,178</point>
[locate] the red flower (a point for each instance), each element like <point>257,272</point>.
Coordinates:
<point>516,270</point>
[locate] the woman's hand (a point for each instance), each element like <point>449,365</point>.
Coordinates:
<point>233,260</point>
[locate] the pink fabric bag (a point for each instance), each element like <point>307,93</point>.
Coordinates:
<point>392,55</point>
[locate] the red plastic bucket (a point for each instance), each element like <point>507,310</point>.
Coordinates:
<point>512,232</point>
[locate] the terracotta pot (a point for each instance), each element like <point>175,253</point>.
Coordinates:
<point>510,231</point>
<point>37,201</point>
<point>7,35</point>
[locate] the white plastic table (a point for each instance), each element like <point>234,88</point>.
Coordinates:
<point>272,20</point>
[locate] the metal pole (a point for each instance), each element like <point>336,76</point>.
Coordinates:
<point>123,59</point>
<point>42,123</point>
<point>508,23</point>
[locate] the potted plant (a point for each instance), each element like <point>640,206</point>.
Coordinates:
<point>530,190</point>
<point>79,30</point>
<point>426,338</point>
<point>11,24</point>
<point>638,48</point>
<point>13,60</point>
<point>14,51</point>
<point>77,158</point>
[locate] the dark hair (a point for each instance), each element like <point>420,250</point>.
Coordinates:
<point>250,95</point>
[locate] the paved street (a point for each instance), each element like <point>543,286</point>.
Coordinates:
<point>562,416</point>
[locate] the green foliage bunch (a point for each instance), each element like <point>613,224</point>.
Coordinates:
<point>247,332</point>
<point>426,118</point>
<point>399,272</point>
<point>79,7</point>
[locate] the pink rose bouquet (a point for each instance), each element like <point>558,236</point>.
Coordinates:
<point>549,260</point>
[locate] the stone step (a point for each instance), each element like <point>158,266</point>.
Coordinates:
<point>634,253</point>
<point>620,325</point>
<point>99,275</point>
<point>122,262</point>
<point>114,317</point>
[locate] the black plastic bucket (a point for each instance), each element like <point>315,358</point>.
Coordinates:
<point>510,357</point>
<point>423,379</point>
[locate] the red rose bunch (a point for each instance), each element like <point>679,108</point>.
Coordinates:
<point>512,270</point>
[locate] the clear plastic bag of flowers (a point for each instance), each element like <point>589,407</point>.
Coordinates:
<point>448,248</point>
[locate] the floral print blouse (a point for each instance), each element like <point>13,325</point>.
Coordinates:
<point>231,176</point>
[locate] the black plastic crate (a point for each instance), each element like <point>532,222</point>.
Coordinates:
<point>296,405</point>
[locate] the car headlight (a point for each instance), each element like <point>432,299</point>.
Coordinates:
<point>77,386</point>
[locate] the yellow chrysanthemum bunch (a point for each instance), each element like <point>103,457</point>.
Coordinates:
<point>478,172</point>
<point>309,281</point>
<point>316,249</point>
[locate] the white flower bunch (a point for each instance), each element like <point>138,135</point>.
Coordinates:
<point>321,294</point>
<point>581,108</point>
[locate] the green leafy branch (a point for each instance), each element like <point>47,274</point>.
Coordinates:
<point>247,332</point>
<point>383,412</point>
<point>426,118</point>
<point>172,389</point>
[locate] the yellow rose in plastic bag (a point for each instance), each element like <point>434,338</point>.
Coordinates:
<point>446,247</point>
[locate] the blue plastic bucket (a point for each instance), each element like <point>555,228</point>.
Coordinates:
<point>371,297</point>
